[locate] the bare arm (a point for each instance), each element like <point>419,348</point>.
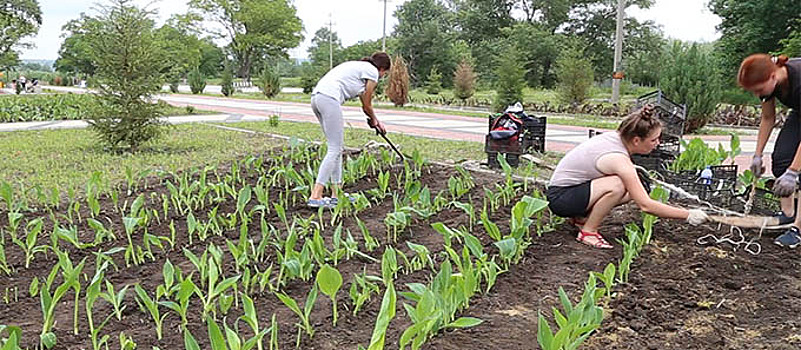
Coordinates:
<point>766,123</point>
<point>367,101</point>
<point>620,165</point>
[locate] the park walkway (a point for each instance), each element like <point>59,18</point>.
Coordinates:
<point>559,138</point>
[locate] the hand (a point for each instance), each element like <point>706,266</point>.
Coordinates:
<point>377,125</point>
<point>785,185</point>
<point>696,217</point>
<point>756,166</point>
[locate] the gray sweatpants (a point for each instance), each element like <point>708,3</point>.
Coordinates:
<point>329,114</point>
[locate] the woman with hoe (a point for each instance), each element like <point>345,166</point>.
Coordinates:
<point>344,82</point>
<point>598,175</point>
<point>770,79</point>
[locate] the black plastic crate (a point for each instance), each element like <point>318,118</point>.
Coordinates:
<point>530,138</point>
<point>511,158</point>
<point>672,114</point>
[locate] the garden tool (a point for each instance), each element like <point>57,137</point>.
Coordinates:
<point>387,140</point>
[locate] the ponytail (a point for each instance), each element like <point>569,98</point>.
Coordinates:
<point>379,60</point>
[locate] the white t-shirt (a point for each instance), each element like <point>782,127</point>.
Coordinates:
<point>346,80</point>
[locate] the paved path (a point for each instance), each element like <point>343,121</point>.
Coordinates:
<point>559,138</point>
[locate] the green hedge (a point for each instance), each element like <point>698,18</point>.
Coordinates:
<point>28,108</point>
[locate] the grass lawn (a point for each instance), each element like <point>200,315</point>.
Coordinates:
<point>67,159</point>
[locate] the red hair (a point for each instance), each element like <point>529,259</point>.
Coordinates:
<point>757,68</point>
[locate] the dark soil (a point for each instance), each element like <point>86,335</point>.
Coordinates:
<point>553,260</point>
<point>682,295</point>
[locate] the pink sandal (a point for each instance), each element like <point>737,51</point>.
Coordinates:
<point>602,243</point>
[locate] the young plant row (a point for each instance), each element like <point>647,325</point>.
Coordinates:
<point>575,323</point>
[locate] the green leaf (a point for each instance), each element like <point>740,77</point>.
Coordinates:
<point>465,322</point>
<point>189,341</point>
<point>215,335</point>
<point>329,280</point>
<point>48,340</point>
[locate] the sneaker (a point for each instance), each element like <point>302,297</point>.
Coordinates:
<point>784,219</point>
<point>335,200</point>
<point>790,238</point>
<point>324,202</point>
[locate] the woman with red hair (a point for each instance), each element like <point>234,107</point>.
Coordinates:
<point>778,78</point>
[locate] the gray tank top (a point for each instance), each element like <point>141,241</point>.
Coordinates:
<point>579,164</point>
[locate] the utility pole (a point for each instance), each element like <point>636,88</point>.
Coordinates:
<point>617,75</point>
<point>384,36</point>
<point>330,43</point>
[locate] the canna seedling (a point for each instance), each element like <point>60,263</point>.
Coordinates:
<point>115,299</point>
<point>146,304</point>
<point>185,290</point>
<point>361,289</point>
<point>93,291</point>
<point>304,325</point>
<point>385,316</point>
<point>329,280</point>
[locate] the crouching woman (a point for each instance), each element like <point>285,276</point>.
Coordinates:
<point>598,175</point>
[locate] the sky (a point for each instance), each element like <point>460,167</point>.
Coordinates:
<point>358,20</point>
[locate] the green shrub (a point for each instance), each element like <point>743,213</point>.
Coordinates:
<point>269,82</point>
<point>434,81</point>
<point>227,81</point>
<point>29,108</point>
<point>574,73</point>
<point>197,82</point>
<point>688,77</point>
<point>129,65</point>
<point>510,81</point>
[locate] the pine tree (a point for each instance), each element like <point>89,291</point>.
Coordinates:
<point>434,81</point>
<point>510,81</point>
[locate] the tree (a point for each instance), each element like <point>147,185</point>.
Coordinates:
<point>594,22</point>
<point>425,36</point>
<point>74,55</point>
<point>792,45</point>
<point>574,72</point>
<point>18,19</point>
<point>752,26</point>
<point>434,81</point>
<point>322,48</point>
<point>254,28</point>
<point>464,80</point>
<point>482,20</point>
<point>689,76</point>
<point>129,65</point>
<point>510,81</point>
<point>540,48</point>
<point>398,85</point>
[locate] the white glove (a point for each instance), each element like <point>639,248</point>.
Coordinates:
<point>756,166</point>
<point>696,217</point>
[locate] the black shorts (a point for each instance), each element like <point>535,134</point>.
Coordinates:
<point>569,201</point>
<point>786,144</point>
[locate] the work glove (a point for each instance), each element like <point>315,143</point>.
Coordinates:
<point>697,217</point>
<point>756,166</point>
<point>785,185</point>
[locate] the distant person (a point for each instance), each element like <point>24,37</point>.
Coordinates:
<point>343,82</point>
<point>598,175</point>
<point>778,78</point>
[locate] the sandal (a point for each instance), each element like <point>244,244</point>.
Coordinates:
<point>601,243</point>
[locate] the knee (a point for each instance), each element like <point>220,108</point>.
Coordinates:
<point>617,187</point>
